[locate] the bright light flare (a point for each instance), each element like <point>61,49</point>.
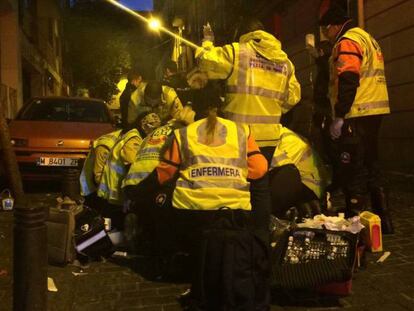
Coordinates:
<point>154,24</point>
<point>161,28</point>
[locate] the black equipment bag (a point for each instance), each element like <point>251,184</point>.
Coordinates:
<point>307,258</point>
<point>91,238</point>
<point>234,266</point>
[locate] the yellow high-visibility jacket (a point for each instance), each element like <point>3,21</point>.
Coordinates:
<point>87,178</point>
<point>116,168</point>
<point>372,95</point>
<point>212,176</point>
<point>170,108</point>
<point>148,156</point>
<point>293,149</point>
<point>261,82</point>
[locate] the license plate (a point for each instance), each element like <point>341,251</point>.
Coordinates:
<point>46,161</point>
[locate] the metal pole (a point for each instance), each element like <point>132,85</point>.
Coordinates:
<point>30,257</point>
<point>361,14</point>
<point>71,184</point>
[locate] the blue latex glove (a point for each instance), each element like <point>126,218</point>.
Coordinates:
<point>336,128</point>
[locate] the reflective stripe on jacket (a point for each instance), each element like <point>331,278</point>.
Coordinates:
<point>115,171</point>
<point>261,83</point>
<point>293,149</point>
<point>87,181</point>
<point>169,108</point>
<point>372,95</point>
<point>148,156</point>
<point>216,175</point>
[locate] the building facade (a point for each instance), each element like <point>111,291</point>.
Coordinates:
<point>31,52</point>
<point>10,61</point>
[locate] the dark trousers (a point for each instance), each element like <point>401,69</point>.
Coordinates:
<point>107,210</point>
<point>287,189</point>
<point>285,185</point>
<point>356,164</point>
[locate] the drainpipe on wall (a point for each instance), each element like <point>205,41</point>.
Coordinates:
<point>361,15</point>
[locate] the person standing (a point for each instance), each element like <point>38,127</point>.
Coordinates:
<point>260,80</point>
<point>134,82</point>
<point>176,80</point>
<point>172,77</point>
<point>359,98</point>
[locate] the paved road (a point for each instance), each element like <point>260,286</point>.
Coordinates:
<point>127,284</point>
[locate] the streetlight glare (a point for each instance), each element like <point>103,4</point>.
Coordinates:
<point>160,27</point>
<point>154,24</point>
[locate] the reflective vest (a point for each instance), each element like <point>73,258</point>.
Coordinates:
<point>87,180</point>
<point>137,105</point>
<point>115,171</point>
<point>372,95</point>
<point>292,149</point>
<point>212,176</point>
<point>257,93</point>
<point>148,156</point>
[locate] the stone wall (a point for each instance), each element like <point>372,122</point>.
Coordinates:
<point>391,23</point>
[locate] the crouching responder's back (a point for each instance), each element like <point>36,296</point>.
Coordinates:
<point>221,175</point>
<point>94,165</point>
<point>152,230</point>
<point>122,155</point>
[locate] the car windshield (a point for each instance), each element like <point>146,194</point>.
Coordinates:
<point>61,110</point>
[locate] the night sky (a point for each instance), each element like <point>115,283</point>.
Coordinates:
<point>138,5</point>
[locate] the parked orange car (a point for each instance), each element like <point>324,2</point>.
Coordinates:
<point>51,134</point>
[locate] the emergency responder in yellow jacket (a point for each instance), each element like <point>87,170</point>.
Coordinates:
<point>147,226</point>
<point>216,163</point>
<point>122,155</point>
<point>298,176</point>
<point>260,80</point>
<point>160,99</point>
<point>135,85</point>
<point>148,156</point>
<point>95,162</point>
<point>359,98</point>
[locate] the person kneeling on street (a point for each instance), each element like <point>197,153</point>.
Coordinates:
<point>122,155</point>
<point>298,178</point>
<point>94,165</point>
<point>148,231</point>
<point>221,211</point>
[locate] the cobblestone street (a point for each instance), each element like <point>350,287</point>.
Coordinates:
<point>127,284</point>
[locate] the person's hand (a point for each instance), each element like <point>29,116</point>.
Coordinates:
<point>208,34</point>
<point>336,128</point>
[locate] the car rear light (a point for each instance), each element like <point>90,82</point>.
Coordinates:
<point>18,142</point>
